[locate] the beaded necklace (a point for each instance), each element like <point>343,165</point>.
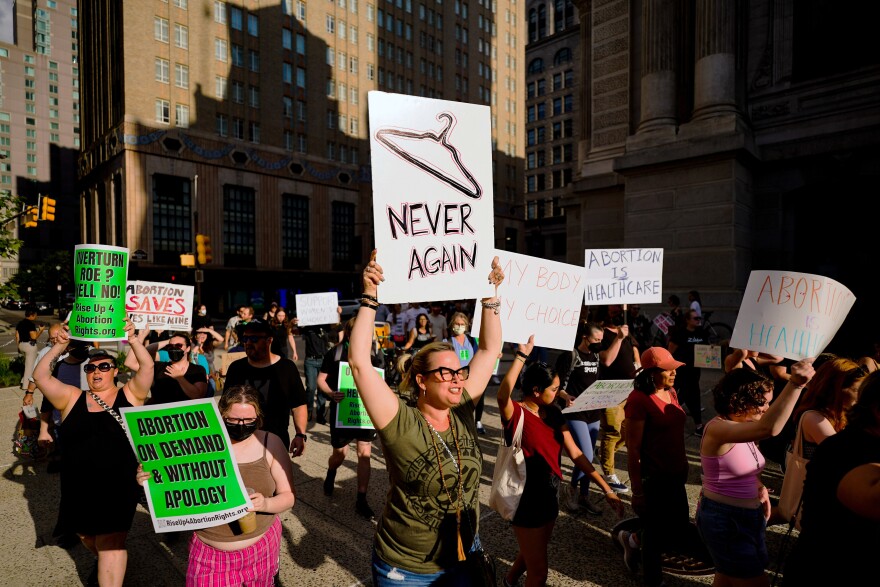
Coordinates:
<point>460,500</point>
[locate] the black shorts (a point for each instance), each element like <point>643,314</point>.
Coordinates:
<point>340,437</point>
<point>539,504</point>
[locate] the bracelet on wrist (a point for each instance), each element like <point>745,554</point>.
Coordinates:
<point>521,359</point>
<point>522,354</point>
<point>369,297</point>
<point>29,393</point>
<point>301,435</point>
<point>494,306</point>
<point>368,304</point>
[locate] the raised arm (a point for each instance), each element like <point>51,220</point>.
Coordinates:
<point>773,420</point>
<point>138,387</point>
<point>609,355</point>
<point>505,405</point>
<point>379,401</point>
<point>56,392</point>
<point>483,363</point>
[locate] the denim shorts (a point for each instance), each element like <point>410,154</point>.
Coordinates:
<point>384,575</point>
<point>734,537</point>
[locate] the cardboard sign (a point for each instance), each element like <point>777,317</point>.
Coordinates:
<point>601,394</point>
<point>623,276</point>
<point>350,412</point>
<point>317,309</point>
<point>433,211</point>
<point>195,480</point>
<point>100,274</point>
<point>159,306</point>
<point>707,356</point>
<point>538,297</point>
<point>791,314</point>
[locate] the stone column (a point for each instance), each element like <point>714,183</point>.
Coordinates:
<point>658,67</point>
<point>715,69</point>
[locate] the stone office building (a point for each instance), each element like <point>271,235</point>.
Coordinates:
<point>735,134</point>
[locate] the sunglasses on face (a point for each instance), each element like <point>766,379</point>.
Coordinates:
<point>238,421</point>
<point>253,338</point>
<point>447,374</point>
<point>102,367</point>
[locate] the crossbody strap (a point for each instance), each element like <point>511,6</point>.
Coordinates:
<point>109,410</point>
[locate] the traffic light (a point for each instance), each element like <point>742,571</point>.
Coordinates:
<point>203,249</point>
<point>47,211</point>
<point>31,216</point>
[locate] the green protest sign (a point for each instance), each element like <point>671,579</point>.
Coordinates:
<point>100,274</point>
<point>350,412</point>
<point>195,480</point>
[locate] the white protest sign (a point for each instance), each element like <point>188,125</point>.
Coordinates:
<point>601,394</point>
<point>318,308</point>
<point>432,197</point>
<point>791,314</point>
<point>623,276</point>
<point>538,297</point>
<point>159,306</point>
<point>707,356</point>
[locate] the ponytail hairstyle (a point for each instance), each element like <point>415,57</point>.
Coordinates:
<point>644,380</point>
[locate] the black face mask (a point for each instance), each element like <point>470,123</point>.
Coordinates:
<point>595,347</point>
<point>240,432</point>
<point>175,355</point>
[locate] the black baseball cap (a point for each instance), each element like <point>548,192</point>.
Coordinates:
<point>98,353</point>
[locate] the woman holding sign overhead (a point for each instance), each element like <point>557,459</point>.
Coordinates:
<point>340,438</point>
<point>98,492</point>
<point>245,551</point>
<point>431,514</point>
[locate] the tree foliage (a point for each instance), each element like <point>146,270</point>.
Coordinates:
<point>10,207</point>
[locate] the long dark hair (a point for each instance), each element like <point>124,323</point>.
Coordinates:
<point>644,380</point>
<point>863,414</point>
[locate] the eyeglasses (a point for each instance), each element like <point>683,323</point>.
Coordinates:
<point>447,374</point>
<point>102,367</point>
<point>239,421</point>
<point>253,338</point>
<point>176,345</point>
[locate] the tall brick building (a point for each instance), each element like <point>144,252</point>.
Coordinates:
<point>736,134</point>
<point>247,121</point>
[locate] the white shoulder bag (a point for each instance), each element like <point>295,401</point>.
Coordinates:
<point>509,478</point>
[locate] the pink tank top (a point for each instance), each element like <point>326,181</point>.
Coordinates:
<point>735,473</point>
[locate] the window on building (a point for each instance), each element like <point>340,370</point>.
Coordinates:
<point>221,88</point>
<point>238,92</point>
<point>254,132</point>
<point>237,55</point>
<point>221,50</point>
<point>163,111</point>
<point>220,12</point>
<point>253,22</point>
<point>239,226</point>
<point>235,18</point>
<point>536,66</point>
<point>562,56</point>
<point>254,61</point>
<point>222,125</point>
<point>181,115</point>
<point>300,77</point>
<point>160,29</point>
<point>181,76</point>
<point>342,247</point>
<point>238,128</point>
<point>172,229</point>
<point>162,71</point>
<point>294,231</point>
<point>254,96</point>
<point>181,36</point>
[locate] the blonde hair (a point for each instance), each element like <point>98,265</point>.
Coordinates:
<point>419,364</point>
<point>463,316</point>
<point>241,394</point>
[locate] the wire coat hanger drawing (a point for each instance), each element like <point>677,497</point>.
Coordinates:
<point>474,191</point>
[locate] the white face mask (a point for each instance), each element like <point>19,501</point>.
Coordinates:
<point>458,329</point>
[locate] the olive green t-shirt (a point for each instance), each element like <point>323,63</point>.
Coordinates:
<point>418,528</point>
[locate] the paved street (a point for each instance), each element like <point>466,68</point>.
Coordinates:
<point>324,544</point>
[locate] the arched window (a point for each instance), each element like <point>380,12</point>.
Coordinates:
<point>542,21</point>
<point>562,56</point>
<point>533,25</point>
<point>536,65</point>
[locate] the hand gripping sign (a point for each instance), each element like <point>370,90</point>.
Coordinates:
<point>100,273</point>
